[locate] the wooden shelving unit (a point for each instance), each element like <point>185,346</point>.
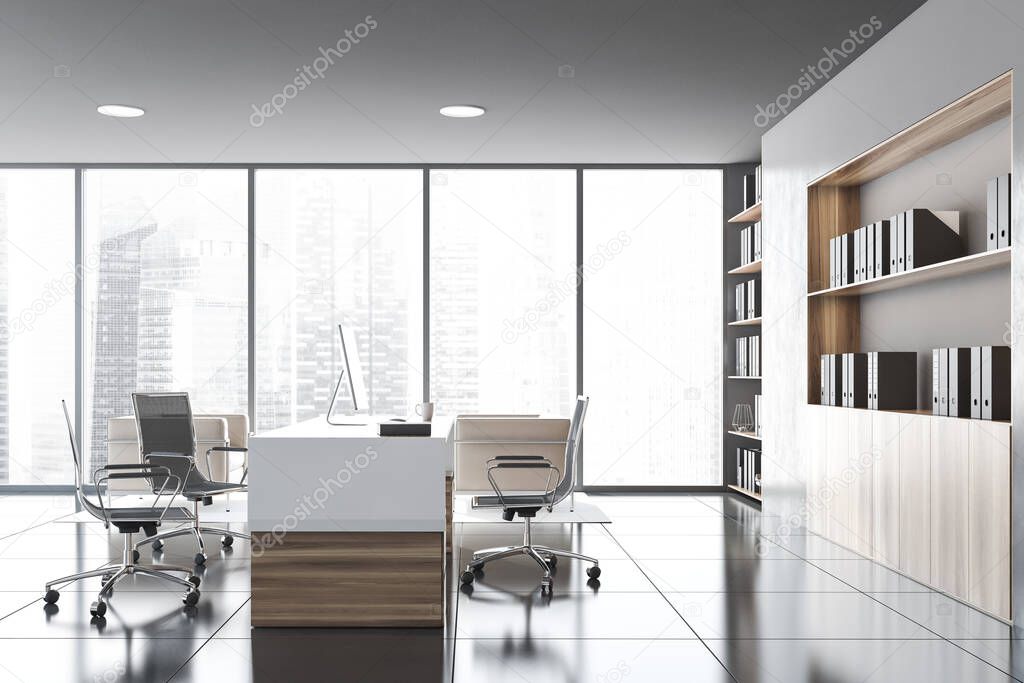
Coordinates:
<point>950,527</point>
<point>975,263</point>
<point>754,267</point>
<point>751,215</point>
<point>745,388</point>
<point>747,493</point>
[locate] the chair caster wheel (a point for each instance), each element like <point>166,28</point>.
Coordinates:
<point>194,580</point>
<point>467,577</point>
<point>51,597</point>
<point>227,540</point>
<point>158,545</point>
<point>191,599</point>
<point>135,556</point>
<point>98,608</point>
<point>594,572</point>
<point>200,559</point>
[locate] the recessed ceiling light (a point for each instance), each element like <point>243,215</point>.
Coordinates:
<point>462,111</point>
<point>123,111</point>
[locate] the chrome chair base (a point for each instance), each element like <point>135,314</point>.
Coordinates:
<point>196,531</point>
<point>112,573</point>
<point>542,555</point>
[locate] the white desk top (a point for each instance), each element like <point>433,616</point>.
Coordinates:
<point>318,428</point>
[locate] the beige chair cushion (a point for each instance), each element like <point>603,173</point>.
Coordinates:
<point>480,438</point>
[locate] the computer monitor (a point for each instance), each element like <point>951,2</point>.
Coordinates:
<point>351,374</point>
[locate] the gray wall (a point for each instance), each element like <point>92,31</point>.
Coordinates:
<point>943,50</point>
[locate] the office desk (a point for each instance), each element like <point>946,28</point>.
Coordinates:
<point>348,527</point>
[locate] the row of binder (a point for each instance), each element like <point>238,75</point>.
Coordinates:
<point>908,240</point>
<point>748,300</point>
<point>748,469</point>
<point>971,382</point>
<point>750,244</point>
<point>998,203</point>
<point>748,356</point>
<point>879,380</point>
<point>752,188</point>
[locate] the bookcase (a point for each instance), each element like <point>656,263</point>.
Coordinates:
<point>925,494</point>
<point>744,258</point>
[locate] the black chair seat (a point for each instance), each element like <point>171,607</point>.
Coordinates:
<point>136,519</point>
<point>204,490</point>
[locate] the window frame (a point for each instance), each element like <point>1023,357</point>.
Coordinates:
<point>251,168</point>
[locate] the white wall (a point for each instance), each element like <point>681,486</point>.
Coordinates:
<point>945,49</point>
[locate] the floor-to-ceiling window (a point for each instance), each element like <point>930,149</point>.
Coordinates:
<point>164,280</point>
<point>337,246</point>
<point>652,327</point>
<point>503,290</point>
<point>37,324</point>
<point>166,265</point>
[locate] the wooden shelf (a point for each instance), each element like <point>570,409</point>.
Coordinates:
<point>972,112</point>
<point>923,412</point>
<point>975,263</point>
<point>749,435</point>
<point>748,321</point>
<point>746,492</point>
<point>751,215</point>
<point>758,377</point>
<point>753,267</point>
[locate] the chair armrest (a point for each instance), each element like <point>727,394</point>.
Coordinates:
<point>529,463</point>
<point>516,457</point>
<point>228,449</point>
<point>110,472</point>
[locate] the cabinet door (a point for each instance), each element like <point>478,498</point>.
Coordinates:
<point>836,492</point>
<point>885,499</point>
<point>860,463</point>
<point>915,508</point>
<point>949,458</point>
<point>988,570</point>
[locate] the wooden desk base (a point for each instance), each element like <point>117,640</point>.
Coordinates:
<point>392,579</point>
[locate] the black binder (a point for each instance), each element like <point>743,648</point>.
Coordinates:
<point>995,382</point>
<point>835,379</point>
<point>959,404</point>
<point>894,232</point>
<point>929,240</point>
<point>893,380</point>
<point>847,259</point>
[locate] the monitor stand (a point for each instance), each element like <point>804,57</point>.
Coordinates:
<point>345,420</point>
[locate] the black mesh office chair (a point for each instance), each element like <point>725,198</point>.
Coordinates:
<point>128,521</point>
<point>167,438</point>
<point>527,506</point>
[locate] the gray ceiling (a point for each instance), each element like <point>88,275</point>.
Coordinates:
<point>653,81</point>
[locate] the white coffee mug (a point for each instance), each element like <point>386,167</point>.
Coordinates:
<point>425,410</point>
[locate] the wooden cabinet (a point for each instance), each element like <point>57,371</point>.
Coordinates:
<point>949,457</point>
<point>915,499</point>
<point>988,496</point>
<point>885,444</point>
<point>924,494</point>
<point>817,455</point>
